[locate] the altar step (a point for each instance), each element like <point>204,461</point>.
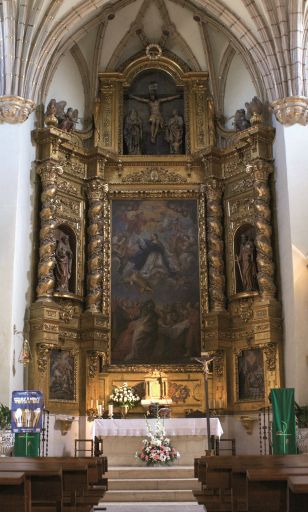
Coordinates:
<point>151,484</point>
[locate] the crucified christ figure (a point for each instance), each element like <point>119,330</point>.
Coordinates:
<point>156,119</point>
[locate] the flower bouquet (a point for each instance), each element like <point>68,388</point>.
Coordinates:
<point>157,448</point>
<point>124,396</point>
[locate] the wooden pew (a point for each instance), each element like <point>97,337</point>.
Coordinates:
<point>297,495</point>
<point>43,485</point>
<point>13,492</point>
<point>267,488</point>
<point>83,482</point>
<point>215,472</point>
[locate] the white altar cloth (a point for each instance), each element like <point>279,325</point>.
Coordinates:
<point>173,426</point>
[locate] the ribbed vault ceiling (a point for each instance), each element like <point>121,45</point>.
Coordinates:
<point>270,35</point>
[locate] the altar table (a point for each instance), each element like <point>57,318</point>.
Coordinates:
<point>173,426</point>
<point>122,438</point>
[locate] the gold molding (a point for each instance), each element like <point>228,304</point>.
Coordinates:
<point>291,110</point>
<point>248,423</point>
<point>15,109</point>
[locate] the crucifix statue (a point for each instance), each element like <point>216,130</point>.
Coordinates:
<point>205,362</point>
<point>156,119</point>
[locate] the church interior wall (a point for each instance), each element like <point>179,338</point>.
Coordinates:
<point>17,190</point>
<point>16,236</point>
<point>290,184</point>
<point>67,85</point>
<point>238,89</point>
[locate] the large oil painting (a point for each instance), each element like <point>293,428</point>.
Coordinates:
<point>155,281</point>
<point>62,384</point>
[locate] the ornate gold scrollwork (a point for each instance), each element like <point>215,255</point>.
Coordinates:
<point>46,280</point>
<point>214,190</point>
<point>263,230</point>
<point>219,363</point>
<point>93,359</point>
<point>270,352</point>
<point>43,350</point>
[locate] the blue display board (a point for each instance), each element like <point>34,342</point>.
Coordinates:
<point>27,411</point>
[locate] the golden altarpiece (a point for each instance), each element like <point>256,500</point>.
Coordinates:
<point>155,248</point>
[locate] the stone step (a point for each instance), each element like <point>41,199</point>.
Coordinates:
<point>152,483</point>
<point>165,472</point>
<point>149,495</point>
<point>189,506</point>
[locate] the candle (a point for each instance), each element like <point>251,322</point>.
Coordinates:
<point>110,410</point>
<point>91,403</point>
<point>96,404</point>
<point>100,410</point>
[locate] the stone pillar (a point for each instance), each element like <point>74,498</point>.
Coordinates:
<point>214,214</point>
<point>265,265</point>
<point>46,279</point>
<point>96,192</point>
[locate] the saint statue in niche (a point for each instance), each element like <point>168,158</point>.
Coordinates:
<point>174,132</point>
<point>247,264</point>
<point>156,119</point>
<point>64,258</point>
<point>133,132</point>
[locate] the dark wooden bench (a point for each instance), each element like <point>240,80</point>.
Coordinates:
<point>43,485</point>
<point>217,473</point>
<point>13,492</point>
<point>267,488</point>
<point>297,497</point>
<point>83,484</point>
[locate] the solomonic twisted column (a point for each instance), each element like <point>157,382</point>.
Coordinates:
<point>96,192</point>
<point>46,279</point>
<point>263,243</point>
<point>214,190</point>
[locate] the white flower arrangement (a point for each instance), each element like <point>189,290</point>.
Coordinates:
<point>124,395</point>
<point>157,449</point>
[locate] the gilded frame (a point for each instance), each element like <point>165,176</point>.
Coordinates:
<point>70,372</point>
<point>195,193</point>
<point>237,354</point>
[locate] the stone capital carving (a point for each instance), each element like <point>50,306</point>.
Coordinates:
<point>15,109</point>
<point>291,110</point>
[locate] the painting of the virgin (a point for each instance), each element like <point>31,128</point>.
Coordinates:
<point>155,281</point>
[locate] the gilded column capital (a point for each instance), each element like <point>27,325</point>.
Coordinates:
<point>49,172</point>
<point>96,189</point>
<point>214,188</point>
<point>15,109</point>
<point>291,110</point>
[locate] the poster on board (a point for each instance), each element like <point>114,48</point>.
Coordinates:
<point>27,411</point>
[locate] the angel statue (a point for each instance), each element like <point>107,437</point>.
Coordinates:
<point>68,119</point>
<point>55,115</point>
<point>50,116</point>
<point>240,120</point>
<point>255,110</point>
